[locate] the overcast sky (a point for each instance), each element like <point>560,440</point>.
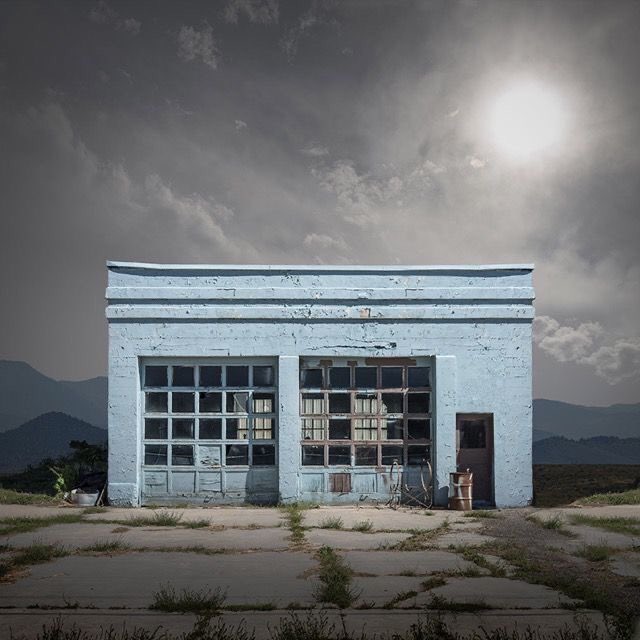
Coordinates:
<point>258,131</point>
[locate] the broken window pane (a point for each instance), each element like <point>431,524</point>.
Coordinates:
<point>339,429</point>
<point>418,403</point>
<point>210,402</point>
<point>418,376</point>
<point>237,455</point>
<point>237,376</point>
<point>366,456</point>
<point>263,376</point>
<point>312,455</point>
<point>155,402</point>
<point>182,455</point>
<point>339,403</point>
<point>366,403</point>
<point>263,402</point>
<point>340,377</point>
<point>311,378</point>
<point>182,402</point>
<point>237,428</point>
<point>264,455</point>
<point>391,377</point>
<point>155,454</point>
<point>313,429</point>
<point>365,429</point>
<point>418,429</point>
<point>391,453</point>
<point>237,401</point>
<point>392,430</point>
<point>155,376</point>
<point>417,455</point>
<point>366,377</point>
<point>263,428</point>
<point>312,403</point>
<point>392,403</point>
<point>210,376</point>
<point>211,429</point>
<point>340,455</point>
<point>183,377</point>
<point>156,428</point>
<point>182,429</point>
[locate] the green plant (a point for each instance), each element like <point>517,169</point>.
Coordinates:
<point>293,515</point>
<point>433,582</point>
<point>632,496</point>
<point>187,600</point>
<point>158,519</point>
<point>595,552</point>
<point>442,604</point>
<point>331,523</point>
<point>24,525</point>
<point>107,546</point>
<point>38,553</point>
<point>10,496</point>
<point>481,513</point>
<point>627,526</point>
<point>335,577</point>
<point>363,526</point>
<point>196,524</point>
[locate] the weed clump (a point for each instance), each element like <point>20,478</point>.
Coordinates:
<point>188,600</point>
<point>335,577</point>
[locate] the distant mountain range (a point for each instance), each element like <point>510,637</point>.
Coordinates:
<point>26,393</point>
<point>598,450</point>
<point>553,418</point>
<point>41,415</point>
<point>46,436</point>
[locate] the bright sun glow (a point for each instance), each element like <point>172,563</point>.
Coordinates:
<point>527,119</point>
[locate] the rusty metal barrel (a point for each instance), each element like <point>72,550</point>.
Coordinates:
<point>461,490</point>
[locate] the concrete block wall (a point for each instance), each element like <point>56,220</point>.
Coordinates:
<point>473,323</point>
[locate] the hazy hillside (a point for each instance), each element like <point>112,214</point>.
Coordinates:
<point>46,436</point>
<point>26,393</point>
<point>598,450</point>
<point>574,421</point>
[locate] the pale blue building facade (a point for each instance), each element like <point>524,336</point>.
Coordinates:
<point>246,383</point>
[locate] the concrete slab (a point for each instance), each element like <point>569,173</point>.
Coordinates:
<point>381,590</point>
<point>382,518</point>
<point>388,563</point>
<point>371,621</point>
<point>82,535</point>
<point>129,580</point>
<point>627,564</point>
<point>352,539</point>
<point>497,592</point>
<point>458,538</point>
<point>217,516</point>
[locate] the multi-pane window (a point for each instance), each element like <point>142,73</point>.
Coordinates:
<point>363,414</point>
<point>209,415</point>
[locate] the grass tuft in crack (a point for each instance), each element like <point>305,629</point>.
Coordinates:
<point>293,514</point>
<point>335,577</point>
<point>364,526</point>
<point>38,553</point>
<point>595,552</point>
<point>626,526</point>
<point>24,525</point>
<point>106,546</point>
<point>188,600</point>
<point>331,523</point>
<point>159,519</point>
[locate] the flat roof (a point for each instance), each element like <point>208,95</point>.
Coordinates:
<point>318,267</point>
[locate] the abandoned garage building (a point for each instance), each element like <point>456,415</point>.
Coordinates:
<point>243,383</point>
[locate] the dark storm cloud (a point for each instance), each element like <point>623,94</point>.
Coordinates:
<point>248,131</point>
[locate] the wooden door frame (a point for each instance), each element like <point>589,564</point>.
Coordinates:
<point>490,438</point>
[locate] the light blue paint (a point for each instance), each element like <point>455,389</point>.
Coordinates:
<point>473,323</point>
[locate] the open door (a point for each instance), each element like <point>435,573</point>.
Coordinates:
<point>474,444</point>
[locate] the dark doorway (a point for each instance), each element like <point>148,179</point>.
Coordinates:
<point>474,447</point>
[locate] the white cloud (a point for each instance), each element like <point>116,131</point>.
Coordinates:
<point>196,44</point>
<point>240,124</point>
<point>315,150</point>
<point>476,163</point>
<point>324,242</point>
<point>103,13</point>
<point>259,11</point>
<point>613,358</point>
